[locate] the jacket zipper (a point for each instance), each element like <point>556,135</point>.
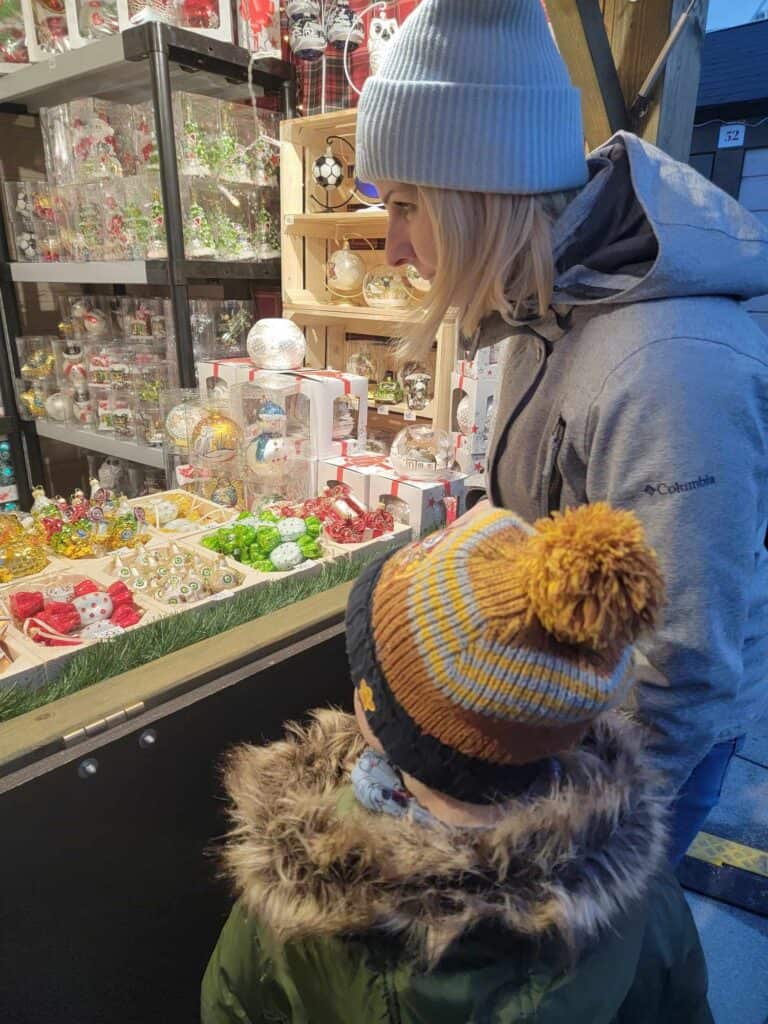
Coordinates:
<point>552,491</point>
<point>493,477</point>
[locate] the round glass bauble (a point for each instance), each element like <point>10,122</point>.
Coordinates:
<point>215,440</point>
<point>181,421</point>
<point>59,407</point>
<point>422,453</point>
<point>345,272</point>
<point>362,365</point>
<point>464,415</point>
<point>384,288</point>
<point>276,344</point>
<point>263,450</point>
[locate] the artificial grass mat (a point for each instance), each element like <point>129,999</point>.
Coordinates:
<point>97,662</point>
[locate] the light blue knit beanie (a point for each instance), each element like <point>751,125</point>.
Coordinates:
<point>473,95</point>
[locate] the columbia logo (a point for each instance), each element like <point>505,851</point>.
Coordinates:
<point>680,488</point>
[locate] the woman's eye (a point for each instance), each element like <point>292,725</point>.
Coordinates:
<point>406,209</point>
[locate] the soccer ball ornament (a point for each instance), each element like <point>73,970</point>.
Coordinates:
<point>422,453</point>
<point>327,170</point>
<point>276,344</point>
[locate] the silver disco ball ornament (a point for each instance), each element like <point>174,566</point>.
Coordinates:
<point>276,344</point>
<point>327,170</point>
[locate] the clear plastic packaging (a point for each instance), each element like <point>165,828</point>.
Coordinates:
<point>19,207</point>
<point>199,201</point>
<point>235,150</point>
<point>44,221</point>
<point>265,221</point>
<point>231,222</point>
<point>197,130</point>
<point>260,35</point>
<point>47,28</point>
<point>14,52</point>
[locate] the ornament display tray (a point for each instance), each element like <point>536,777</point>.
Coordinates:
<point>400,534</point>
<point>27,668</point>
<point>250,577</point>
<point>212,515</point>
<point>56,657</point>
<point>309,566</point>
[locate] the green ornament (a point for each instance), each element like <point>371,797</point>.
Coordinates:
<point>314,526</point>
<point>268,538</point>
<point>309,547</point>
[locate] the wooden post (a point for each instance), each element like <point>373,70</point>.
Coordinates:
<point>637,33</point>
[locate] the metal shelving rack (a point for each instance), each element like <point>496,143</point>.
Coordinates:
<point>147,60</point>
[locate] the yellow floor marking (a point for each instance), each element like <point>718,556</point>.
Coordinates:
<point>715,850</point>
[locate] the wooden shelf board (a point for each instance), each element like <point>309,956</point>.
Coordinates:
<point>364,319</point>
<point>303,130</point>
<point>368,223</point>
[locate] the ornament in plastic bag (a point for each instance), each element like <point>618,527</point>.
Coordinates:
<point>422,453</point>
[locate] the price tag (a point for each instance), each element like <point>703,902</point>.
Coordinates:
<point>382,410</point>
<point>409,416</point>
<point>731,136</point>
<point>288,220</point>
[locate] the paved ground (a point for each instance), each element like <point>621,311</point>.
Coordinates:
<point>735,942</point>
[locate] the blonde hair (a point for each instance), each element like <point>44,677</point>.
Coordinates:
<point>494,254</point>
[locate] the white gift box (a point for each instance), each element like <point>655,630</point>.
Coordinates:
<point>479,395</point>
<point>228,371</point>
<point>420,504</point>
<point>325,388</point>
<point>356,471</point>
<point>469,462</point>
<point>485,366</point>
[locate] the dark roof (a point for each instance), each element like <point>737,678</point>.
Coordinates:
<point>734,66</point>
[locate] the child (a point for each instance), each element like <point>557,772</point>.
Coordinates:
<point>482,842</point>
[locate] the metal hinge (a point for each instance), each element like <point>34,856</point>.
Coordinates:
<point>70,739</point>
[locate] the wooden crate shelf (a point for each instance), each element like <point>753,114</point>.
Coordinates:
<point>310,236</point>
<point>368,223</point>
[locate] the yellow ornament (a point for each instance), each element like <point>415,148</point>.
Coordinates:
<point>215,440</point>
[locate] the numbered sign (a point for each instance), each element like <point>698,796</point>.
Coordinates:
<point>731,136</point>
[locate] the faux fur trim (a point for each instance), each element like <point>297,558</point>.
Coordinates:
<point>560,867</point>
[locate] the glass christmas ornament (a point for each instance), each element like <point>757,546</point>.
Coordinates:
<point>343,419</point>
<point>264,448</point>
<point>298,10</point>
<point>18,198</point>
<point>362,365</point>
<point>198,235</point>
<point>464,415</point>
<point>327,170</point>
<point>181,422</point>
<point>307,39</point>
<point>417,384</point>
<point>384,288</point>
<point>381,32</point>
<point>422,453</point>
<point>265,232</point>
<point>388,390</point>
<point>344,29</point>
<point>216,439</point>
<point>59,407</point>
<point>418,285</point>
<point>345,272</point>
<point>276,344</point>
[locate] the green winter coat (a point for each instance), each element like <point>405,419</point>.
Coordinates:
<point>560,914</point>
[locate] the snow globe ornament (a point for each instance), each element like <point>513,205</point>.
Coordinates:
<point>381,32</point>
<point>422,453</point>
<point>307,39</point>
<point>416,385</point>
<point>276,344</point>
<point>327,169</point>
<point>59,407</point>
<point>384,288</point>
<point>343,419</point>
<point>345,272</point>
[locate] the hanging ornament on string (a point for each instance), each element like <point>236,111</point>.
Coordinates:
<point>307,39</point>
<point>343,28</point>
<point>381,33</point>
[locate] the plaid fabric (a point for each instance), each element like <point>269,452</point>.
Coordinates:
<point>338,95</point>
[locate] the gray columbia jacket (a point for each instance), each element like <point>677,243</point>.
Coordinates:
<point>649,389</point>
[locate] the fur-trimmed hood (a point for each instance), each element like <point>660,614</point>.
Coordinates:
<point>308,861</point>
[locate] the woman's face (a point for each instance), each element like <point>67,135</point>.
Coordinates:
<point>410,238</point>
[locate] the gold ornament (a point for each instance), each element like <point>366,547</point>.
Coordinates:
<point>215,439</point>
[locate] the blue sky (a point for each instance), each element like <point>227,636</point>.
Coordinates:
<point>724,13</point>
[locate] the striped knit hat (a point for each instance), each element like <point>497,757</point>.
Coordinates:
<point>481,651</point>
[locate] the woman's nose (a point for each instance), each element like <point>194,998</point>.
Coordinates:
<point>398,248</point>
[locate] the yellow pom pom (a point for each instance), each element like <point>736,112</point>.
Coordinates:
<point>590,577</point>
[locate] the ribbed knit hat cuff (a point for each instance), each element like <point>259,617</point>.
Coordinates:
<point>479,138</point>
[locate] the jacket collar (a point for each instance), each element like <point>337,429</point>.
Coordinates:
<point>308,861</point>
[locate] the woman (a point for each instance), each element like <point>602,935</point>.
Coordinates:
<point>631,373</point>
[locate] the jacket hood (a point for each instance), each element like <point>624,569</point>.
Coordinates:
<point>649,227</point>
<point>309,861</point>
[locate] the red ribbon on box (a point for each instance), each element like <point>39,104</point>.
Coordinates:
<point>327,374</point>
